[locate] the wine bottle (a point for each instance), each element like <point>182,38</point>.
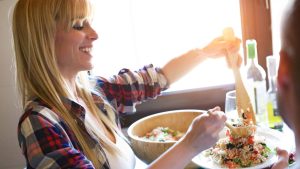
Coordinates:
<point>256,78</point>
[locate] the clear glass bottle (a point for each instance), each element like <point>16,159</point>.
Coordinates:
<point>275,121</point>
<point>256,82</point>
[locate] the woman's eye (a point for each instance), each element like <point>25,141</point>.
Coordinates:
<point>78,27</point>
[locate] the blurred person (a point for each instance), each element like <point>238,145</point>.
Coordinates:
<point>70,119</point>
<point>288,81</point>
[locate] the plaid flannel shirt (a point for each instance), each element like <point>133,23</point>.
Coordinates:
<point>47,142</point>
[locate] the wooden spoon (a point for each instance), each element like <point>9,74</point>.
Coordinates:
<point>244,106</point>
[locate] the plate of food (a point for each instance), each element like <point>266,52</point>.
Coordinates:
<point>251,152</point>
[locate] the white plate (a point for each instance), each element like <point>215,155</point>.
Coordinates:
<point>273,139</point>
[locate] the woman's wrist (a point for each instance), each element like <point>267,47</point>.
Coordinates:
<point>199,53</point>
<point>180,150</point>
<point>188,145</point>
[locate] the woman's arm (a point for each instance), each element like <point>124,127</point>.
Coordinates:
<point>129,88</point>
<point>179,66</point>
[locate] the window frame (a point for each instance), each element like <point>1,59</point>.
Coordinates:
<point>256,24</point>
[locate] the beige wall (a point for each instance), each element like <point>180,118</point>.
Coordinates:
<point>10,156</point>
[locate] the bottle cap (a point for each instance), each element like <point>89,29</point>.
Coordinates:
<point>251,48</point>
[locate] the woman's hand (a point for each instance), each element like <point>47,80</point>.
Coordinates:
<point>217,47</point>
<point>220,47</point>
<point>204,130</point>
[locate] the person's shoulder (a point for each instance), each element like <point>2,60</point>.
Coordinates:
<point>37,109</point>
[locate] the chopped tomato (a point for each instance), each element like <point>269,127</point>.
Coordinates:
<point>250,140</point>
<point>228,134</point>
<point>230,164</point>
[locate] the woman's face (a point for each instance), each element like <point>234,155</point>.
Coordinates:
<point>73,47</point>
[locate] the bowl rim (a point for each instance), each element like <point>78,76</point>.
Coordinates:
<point>131,136</point>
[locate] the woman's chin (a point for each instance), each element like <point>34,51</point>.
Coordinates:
<point>89,66</point>
<point>86,68</point>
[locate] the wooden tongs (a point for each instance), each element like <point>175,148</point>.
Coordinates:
<point>244,106</point>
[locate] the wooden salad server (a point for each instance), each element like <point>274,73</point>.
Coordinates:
<point>244,106</point>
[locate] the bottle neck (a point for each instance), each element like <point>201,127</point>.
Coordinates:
<point>252,61</point>
<point>272,83</point>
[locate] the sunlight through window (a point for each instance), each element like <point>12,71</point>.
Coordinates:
<point>139,32</point>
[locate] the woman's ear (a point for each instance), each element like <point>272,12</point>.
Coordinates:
<point>284,71</point>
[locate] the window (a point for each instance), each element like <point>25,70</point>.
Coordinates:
<point>278,8</point>
<point>138,32</point>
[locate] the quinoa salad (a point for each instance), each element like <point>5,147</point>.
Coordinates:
<point>163,134</point>
<point>239,152</point>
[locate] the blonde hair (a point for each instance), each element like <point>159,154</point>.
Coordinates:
<point>34,28</point>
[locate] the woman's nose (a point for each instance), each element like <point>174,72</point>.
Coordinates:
<point>92,34</point>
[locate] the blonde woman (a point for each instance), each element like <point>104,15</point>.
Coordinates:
<point>71,120</point>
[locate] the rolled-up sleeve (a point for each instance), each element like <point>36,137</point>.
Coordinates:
<point>129,88</point>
